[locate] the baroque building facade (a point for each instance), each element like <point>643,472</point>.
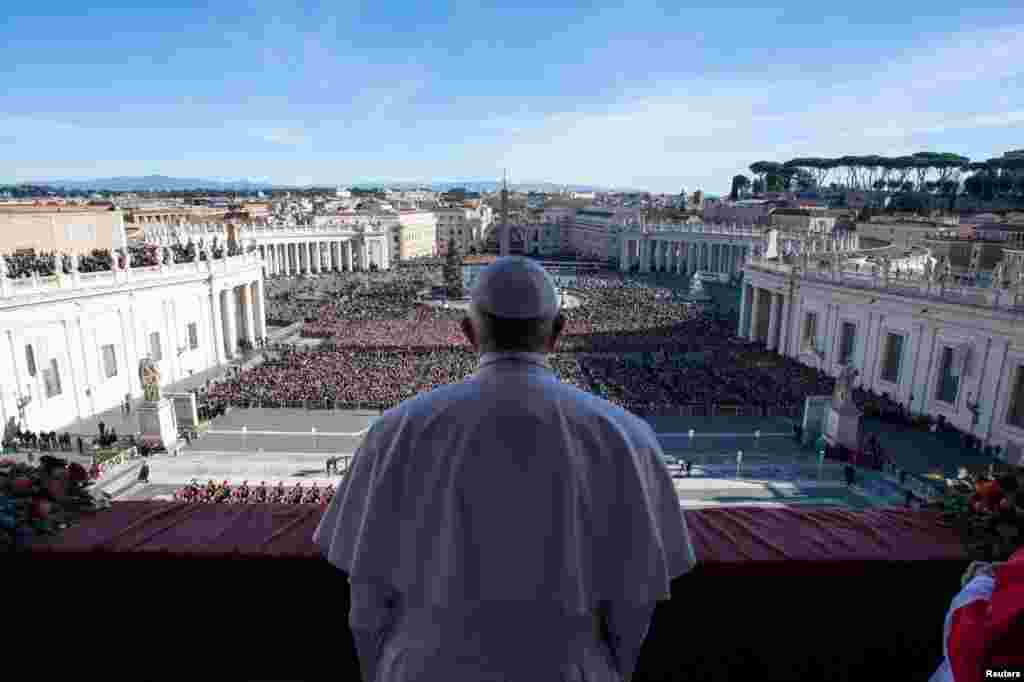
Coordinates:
<point>938,347</point>
<point>72,343</point>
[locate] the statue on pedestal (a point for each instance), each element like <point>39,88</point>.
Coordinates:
<point>843,393</point>
<point>998,273</point>
<point>149,377</point>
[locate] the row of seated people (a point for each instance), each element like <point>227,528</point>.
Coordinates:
<point>225,493</point>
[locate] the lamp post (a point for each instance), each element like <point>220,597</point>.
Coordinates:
<point>23,402</point>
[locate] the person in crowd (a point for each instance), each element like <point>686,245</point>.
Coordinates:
<point>512,407</point>
<point>144,473</point>
<point>984,626</point>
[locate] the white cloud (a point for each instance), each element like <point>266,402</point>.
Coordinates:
<point>712,130</point>
<point>293,137</point>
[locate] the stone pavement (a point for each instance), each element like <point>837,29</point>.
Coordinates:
<point>921,451</point>
<point>167,474</point>
<point>115,419</point>
<point>286,430</point>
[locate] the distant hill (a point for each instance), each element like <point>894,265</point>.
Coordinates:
<point>153,183</point>
<point>485,186</point>
<point>163,183</point>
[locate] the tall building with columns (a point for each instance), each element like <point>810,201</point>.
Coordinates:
<point>71,344</point>
<point>937,347</point>
<point>687,249</point>
<point>344,244</point>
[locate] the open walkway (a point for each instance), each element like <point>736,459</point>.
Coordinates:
<point>922,452</point>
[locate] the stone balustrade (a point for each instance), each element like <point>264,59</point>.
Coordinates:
<point>36,286</point>
<point>915,285</point>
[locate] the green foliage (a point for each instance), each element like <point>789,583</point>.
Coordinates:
<point>740,183</point>
<point>988,512</point>
<point>931,172</point>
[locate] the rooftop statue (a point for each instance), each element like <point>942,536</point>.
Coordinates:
<point>998,273</point>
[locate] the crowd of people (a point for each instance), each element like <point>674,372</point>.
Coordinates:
<point>224,493</point>
<point>46,264</point>
<point>382,344</point>
<point>47,441</point>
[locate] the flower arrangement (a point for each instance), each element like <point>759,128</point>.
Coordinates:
<point>42,500</point>
<point>988,511</point>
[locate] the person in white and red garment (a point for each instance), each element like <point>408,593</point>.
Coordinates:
<point>508,527</point>
<point>984,628</point>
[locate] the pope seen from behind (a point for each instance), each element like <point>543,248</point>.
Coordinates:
<point>509,527</point>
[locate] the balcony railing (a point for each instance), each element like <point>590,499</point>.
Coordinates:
<point>778,594</point>
<point>1009,300</point>
<point>56,285</point>
<point>699,228</point>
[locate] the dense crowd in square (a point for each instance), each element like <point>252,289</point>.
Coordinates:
<point>382,343</point>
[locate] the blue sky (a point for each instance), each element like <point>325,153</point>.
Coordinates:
<point>642,94</point>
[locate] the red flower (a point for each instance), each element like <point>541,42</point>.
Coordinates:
<point>77,473</point>
<point>22,484</point>
<point>41,508</point>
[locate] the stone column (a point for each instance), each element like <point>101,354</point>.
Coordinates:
<point>774,310</point>
<point>307,248</point>
<point>217,328</point>
<point>755,313</point>
<point>72,371</point>
<point>624,255</point>
<point>784,324</point>
<point>348,255</point>
<point>744,328</point>
<point>259,308</point>
<point>248,316</point>
<point>314,252</point>
<point>227,303</point>
<point>645,255</point>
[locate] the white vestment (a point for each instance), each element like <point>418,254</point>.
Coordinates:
<point>484,524</point>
